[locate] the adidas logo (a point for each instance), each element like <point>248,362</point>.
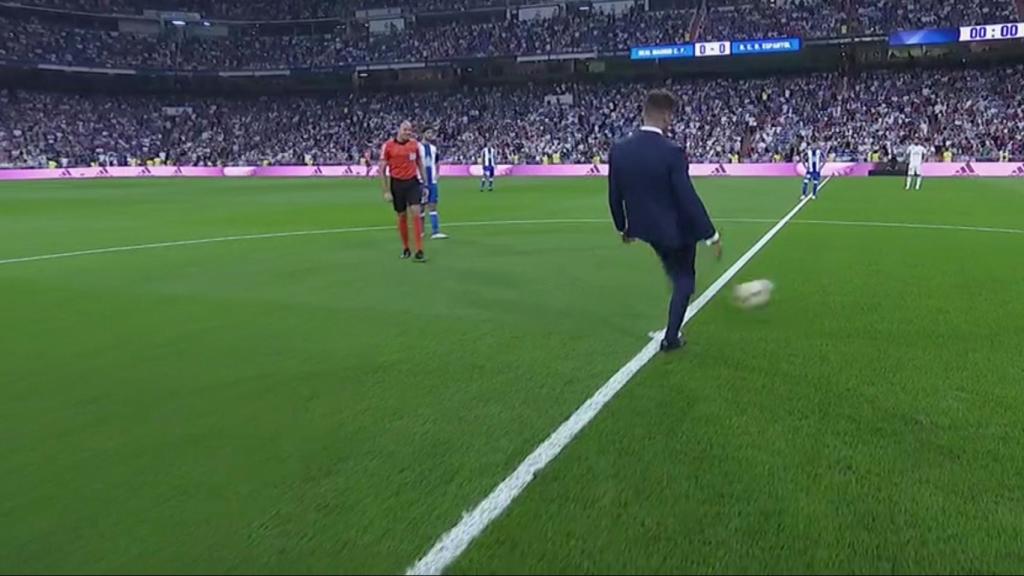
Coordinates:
<point>318,172</point>
<point>177,171</point>
<point>594,170</point>
<point>65,173</point>
<point>966,170</point>
<point>1019,171</point>
<point>145,172</point>
<point>719,170</point>
<point>348,171</point>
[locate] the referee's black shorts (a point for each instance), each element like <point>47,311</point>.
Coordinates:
<point>405,193</point>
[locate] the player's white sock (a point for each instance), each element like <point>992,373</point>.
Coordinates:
<point>918,187</point>
<point>909,178</point>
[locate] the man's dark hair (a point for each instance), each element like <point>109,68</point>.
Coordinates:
<point>660,101</point>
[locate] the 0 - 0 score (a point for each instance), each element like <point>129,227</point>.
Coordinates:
<point>713,48</point>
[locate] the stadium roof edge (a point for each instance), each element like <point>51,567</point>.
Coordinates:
<point>92,70</point>
<point>111,15</point>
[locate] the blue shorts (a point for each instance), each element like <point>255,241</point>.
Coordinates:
<point>813,176</point>
<point>432,193</point>
<point>489,171</point>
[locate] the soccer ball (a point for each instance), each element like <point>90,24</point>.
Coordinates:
<point>753,294</point>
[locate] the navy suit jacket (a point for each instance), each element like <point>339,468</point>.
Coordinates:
<point>651,195</point>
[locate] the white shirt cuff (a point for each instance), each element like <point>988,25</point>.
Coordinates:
<point>712,240</point>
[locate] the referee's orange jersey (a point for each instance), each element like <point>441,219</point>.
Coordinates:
<point>402,158</point>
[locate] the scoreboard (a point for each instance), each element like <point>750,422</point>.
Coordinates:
<point>981,33</point>
<point>712,49</point>
<point>992,32</point>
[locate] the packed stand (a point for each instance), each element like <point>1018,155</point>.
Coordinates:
<point>972,113</point>
<point>763,19</point>
<point>757,18</point>
<point>31,41</point>
<point>268,9</point>
<point>438,5</point>
<point>574,32</point>
<point>227,9</point>
<point>35,128</point>
<point>252,51</point>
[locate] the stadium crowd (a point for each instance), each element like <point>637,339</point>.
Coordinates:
<point>31,41</point>
<point>570,31</point>
<point>229,9</point>
<point>971,113</point>
<point>745,17</point>
<point>835,18</point>
<point>800,18</point>
<point>268,9</point>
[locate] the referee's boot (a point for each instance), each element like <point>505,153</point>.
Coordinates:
<point>420,257</point>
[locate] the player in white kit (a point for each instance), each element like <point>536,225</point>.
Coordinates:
<point>488,159</point>
<point>915,159</point>
<point>431,170</point>
<point>813,165</point>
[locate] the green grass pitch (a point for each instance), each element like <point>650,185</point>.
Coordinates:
<point>311,403</point>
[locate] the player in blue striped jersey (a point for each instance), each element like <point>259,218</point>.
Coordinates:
<point>428,152</point>
<point>488,161</point>
<point>814,162</point>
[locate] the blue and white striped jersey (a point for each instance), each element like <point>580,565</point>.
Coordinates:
<point>489,157</point>
<point>429,154</point>
<point>815,161</point>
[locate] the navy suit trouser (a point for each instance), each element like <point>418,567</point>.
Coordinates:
<point>680,267</point>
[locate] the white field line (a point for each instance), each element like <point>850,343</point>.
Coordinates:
<point>914,226</point>
<point>154,245</point>
<point>863,223</point>
<point>454,542</point>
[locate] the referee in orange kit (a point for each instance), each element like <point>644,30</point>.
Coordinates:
<point>401,173</point>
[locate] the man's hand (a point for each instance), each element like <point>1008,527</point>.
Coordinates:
<point>387,195</point>
<point>717,247</point>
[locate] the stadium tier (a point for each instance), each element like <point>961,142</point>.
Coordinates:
<point>975,114</point>
<point>64,43</point>
<point>800,18</point>
<point>268,9</point>
<point>735,18</point>
<point>35,36</point>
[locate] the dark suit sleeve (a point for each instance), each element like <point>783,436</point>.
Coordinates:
<point>616,201</point>
<point>686,196</point>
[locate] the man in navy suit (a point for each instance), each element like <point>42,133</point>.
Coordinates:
<point>652,199</point>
